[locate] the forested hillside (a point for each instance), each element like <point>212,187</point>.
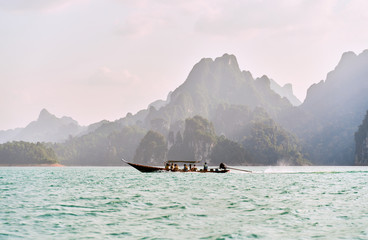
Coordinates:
<point>24,153</point>
<point>103,147</point>
<point>265,143</point>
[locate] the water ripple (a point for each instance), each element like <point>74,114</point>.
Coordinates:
<point>120,203</point>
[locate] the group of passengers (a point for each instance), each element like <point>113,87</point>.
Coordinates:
<point>175,167</point>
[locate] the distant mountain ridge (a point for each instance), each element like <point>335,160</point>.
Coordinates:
<point>213,82</point>
<point>345,85</point>
<point>47,128</point>
<point>332,112</point>
<point>285,91</point>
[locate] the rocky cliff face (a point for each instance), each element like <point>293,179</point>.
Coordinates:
<point>345,88</point>
<point>285,91</point>
<point>361,157</point>
<point>361,143</point>
<point>332,111</point>
<point>213,82</point>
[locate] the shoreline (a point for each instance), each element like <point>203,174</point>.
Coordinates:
<point>33,165</point>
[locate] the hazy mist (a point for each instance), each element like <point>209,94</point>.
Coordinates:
<point>95,60</point>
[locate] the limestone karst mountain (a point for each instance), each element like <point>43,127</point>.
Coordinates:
<point>232,100</point>
<point>285,91</point>
<point>214,82</point>
<point>212,89</point>
<point>332,112</point>
<point>47,128</point>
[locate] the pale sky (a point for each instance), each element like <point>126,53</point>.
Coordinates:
<point>100,59</point>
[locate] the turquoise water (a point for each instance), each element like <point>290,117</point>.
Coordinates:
<point>122,203</point>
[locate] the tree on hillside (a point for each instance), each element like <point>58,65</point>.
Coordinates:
<point>179,151</point>
<point>152,149</point>
<point>269,144</point>
<point>238,115</point>
<point>361,140</point>
<point>197,141</point>
<point>16,153</point>
<point>103,147</point>
<point>229,152</point>
<point>200,137</point>
<point>159,125</point>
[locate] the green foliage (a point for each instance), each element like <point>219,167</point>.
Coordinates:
<point>332,145</point>
<point>18,153</point>
<point>231,120</point>
<point>197,142</point>
<point>152,149</point>
<point>199,137</point>
<point>180,151</point>
<point>228,152</point>
<point>269,144</point>
<point>104,147</point>
<point>159,125</point>
<point>361,150</point>
<point>199,129</point>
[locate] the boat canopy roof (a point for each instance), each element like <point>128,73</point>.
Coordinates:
<point>182,161</point>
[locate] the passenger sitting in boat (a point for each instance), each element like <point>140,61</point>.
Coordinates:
<point>172,167</point>
<point>205,167</point>
<point>190,167</point>
<point>185,168</point>
<point>194,168</point>
<point>167,167</point>
<point>176,167</point>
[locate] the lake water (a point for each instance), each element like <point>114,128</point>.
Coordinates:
<point>122,203</point>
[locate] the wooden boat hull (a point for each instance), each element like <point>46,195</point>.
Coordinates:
<point>144,168</point>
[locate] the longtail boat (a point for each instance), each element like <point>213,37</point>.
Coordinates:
<point>144,168</point>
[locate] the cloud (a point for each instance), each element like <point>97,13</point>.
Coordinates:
<point>36,5</point>
<point>105,77</point>
<point>138,25</point>
<point>158,42</point>
<point>142,18</point>
<point>243,17</point>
